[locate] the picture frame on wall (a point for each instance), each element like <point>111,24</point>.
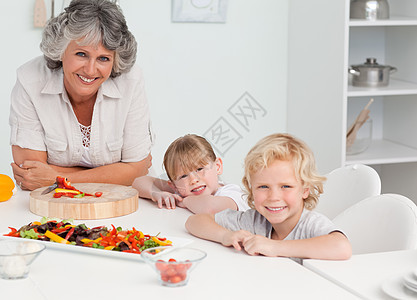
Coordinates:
<point>199,11</point>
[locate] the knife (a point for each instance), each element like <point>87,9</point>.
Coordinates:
<point>50,189</point>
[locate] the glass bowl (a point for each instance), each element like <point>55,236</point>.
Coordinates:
<point>16,257</point>
<point>172,264</point>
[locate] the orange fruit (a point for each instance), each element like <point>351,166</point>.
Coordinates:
<point>6,187</point>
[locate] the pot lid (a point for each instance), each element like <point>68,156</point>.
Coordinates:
<point>370,63</point>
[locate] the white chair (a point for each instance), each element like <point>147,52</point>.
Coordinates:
<point>380,223</point>
<point>346,186</point>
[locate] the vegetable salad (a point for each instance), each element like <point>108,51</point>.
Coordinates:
<point>114,239</point>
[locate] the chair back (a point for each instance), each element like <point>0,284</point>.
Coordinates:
<point>386,222</point>
<point>346,186</point>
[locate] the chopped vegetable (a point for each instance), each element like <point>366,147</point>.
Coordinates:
<point>29,234</point>
<point>64,183</point>
<point>70,232</point>
<point>65,191</point>
<point>161,242</point>
<point>115,239</point>
<point>13,232</point>
<point>56,238</point>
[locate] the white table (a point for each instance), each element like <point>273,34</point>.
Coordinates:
<point>365,274</point>
<point>224,274</point>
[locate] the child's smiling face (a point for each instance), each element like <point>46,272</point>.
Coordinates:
<point>278,194</point>
<point>202,181</point>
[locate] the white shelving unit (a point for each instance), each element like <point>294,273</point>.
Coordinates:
<point>396,87</point>
<point>392,21</point>
<point>323,43</point>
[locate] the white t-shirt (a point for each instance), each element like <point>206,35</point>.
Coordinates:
<point>234,192</point>
<point>42,118</point>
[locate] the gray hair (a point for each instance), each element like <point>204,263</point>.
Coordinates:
<point>95,22</point>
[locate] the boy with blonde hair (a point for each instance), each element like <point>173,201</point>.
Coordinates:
<point>283,187</point>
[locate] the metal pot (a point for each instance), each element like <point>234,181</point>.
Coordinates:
<point>369,9</point>
<point>371,74</point>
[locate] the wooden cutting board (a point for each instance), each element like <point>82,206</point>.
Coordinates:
<point>116,201</point>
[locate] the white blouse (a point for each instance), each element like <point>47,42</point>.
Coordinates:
<point>85,158</point>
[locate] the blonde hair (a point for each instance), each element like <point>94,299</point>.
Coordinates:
<point>285,147</point>
<point>187,153</point>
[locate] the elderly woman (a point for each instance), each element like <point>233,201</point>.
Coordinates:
<point>80,111</point>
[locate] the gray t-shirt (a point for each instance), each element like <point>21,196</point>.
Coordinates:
<point>311,224</point>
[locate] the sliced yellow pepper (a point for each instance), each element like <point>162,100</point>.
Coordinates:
<point>56,238</point>
<point>109,247</point>
<point>36,223</point>
<point>159,242</point>
<point>85,241</point>
<point>58,190</point>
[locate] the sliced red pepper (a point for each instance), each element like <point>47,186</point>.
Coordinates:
<point>58,230</point>
<point>114,231</point>
<point>97,227</point>
<point>64,183</point>
<point>59,195</point>
<point>69,234</point>
<point>132,239</point>
<point>59,224</point>
<point>70,195</point>
<point>14,232</point>
<point>12,229</point>
<point>104,243</point>
<point>135,247</point>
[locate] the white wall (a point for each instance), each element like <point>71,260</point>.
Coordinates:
<point>194,72</point>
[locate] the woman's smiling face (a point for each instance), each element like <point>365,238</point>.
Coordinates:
<point>85,69</point>
<point>278,195</point>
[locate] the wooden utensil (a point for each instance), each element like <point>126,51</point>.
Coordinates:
<point>116,201</point>
<point>360,120</point>
<point>39,16</point>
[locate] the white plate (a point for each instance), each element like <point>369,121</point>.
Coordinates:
<point>411,281</point>
<point>176,242</point>
<point>395,288</point>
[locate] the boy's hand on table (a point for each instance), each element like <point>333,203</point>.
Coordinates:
<point>235,238</point>
<point>167,199</point>
<point>258,244</point>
